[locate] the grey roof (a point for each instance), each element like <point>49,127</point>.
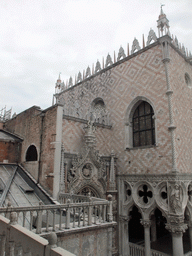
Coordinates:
<point>18,188</point>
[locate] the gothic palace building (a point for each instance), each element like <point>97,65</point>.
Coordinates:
<point>123,128</point>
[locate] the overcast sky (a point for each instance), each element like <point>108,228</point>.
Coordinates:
<point>40,38</point>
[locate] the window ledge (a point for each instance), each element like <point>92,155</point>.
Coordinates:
<point>142,147</point>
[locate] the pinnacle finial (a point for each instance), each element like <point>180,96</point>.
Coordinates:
<point>163,23</point>
<point>161,12</point>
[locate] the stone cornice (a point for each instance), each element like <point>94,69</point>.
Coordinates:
<point>84,121</point>
<point>156,177</point>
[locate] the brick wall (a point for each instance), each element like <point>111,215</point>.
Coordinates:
<point>29,126</point>
<point>10,151</point>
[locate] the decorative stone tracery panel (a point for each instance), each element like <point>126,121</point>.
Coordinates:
<point>143,194</point>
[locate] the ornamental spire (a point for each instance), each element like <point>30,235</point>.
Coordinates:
<point>163,23</point>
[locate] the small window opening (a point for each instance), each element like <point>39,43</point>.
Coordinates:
<point>31,154</point>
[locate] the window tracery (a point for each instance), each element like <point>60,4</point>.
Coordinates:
<point>143,125</point>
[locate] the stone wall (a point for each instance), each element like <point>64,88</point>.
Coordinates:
<point>90,241</point>
<point>139,75</point>
<point>37,128</point>
<point>73,137</point>
<point>182,107</point>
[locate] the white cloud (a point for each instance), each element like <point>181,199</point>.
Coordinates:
<point>39,39</point>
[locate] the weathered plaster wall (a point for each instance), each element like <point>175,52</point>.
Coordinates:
<point>95,242</point>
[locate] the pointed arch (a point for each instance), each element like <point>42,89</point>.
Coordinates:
<point>133,106</point>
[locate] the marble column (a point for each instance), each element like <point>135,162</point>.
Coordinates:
<point>177,231</point>
<point>124,224</point>
<point>146,224</point>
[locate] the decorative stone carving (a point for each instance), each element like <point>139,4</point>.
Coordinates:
<point>135,46</point>
<point>162,195</point>
<point>97,67</point>
<point>13,218</point>
<point>190,192</point>
<point>88,72</point>
<point>177,229</point>
<point>145,223</point>
<point>123,218</point>
<point>176,42</point>
<point>127,192</point>
<point>108,61</point>
<point>79,77</point>
<point>183,50</point>
<point>151,37</point>
<point>70,81</point>
<point>87,170</point>
<point>112,183</point>
<point>121,54</point>
<point>144,193</point>
<point>175,198</point>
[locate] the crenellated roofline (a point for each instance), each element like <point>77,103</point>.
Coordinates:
<point>152,41</point>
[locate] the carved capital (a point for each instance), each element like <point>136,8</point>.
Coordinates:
<point>175,228</point>
<point>123,218</point>
<point>145,223</point>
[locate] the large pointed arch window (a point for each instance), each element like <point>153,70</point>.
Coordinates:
<point>143,125</point>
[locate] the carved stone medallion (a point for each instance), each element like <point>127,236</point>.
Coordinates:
<point>87,170</point>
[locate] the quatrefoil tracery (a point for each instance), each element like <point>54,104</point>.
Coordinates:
<point>145,194</point>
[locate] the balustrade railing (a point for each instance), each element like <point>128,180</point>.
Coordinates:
<point>63,197</point>
<point>138,250</point>
<point>46,218</point>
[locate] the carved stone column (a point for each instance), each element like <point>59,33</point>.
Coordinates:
<point>146,224</point>
<point>124,222</point>
<point>177,229</point>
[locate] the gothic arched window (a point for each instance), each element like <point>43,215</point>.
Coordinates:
<point>143,125</point>
<point>31,154</point>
